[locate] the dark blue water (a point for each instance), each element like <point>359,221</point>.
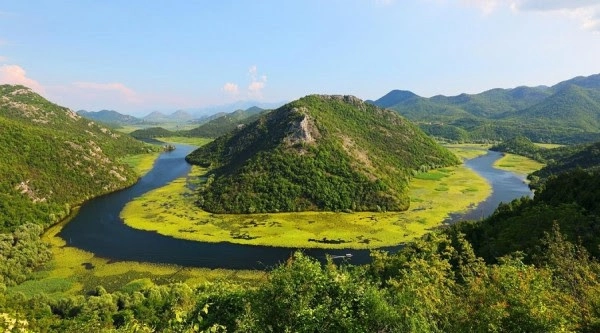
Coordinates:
<point>506,186</point>
<point>97,227</point>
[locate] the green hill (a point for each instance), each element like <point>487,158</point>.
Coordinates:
<point>317,153</point>
<point>568,159</point>
<point>571,106</point>
<point>226,123</point>
<point>568,112</point>
<point>151,133</point>
<point>53,159</point>
<point>520,145</point>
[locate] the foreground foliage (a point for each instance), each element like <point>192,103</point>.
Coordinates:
<point>488,276</point>
<point>436,284</point>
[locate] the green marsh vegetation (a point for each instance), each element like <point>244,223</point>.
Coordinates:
<point>171,211</point>
<point>72,271</point>
<point>518,164</point>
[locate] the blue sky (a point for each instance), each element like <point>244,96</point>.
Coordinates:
<point>139,56</point>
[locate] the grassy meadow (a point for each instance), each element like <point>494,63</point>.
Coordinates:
<point>141,164</point>
<point>186,140</point>
<point>74,271</point>
<point>520,165</point>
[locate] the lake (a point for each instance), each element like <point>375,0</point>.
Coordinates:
<point>97,227</point>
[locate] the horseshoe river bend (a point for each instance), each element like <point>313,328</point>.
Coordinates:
<point>97,227</point>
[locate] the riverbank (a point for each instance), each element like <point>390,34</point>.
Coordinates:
<point>74,271</point>
<point>170,211</point>
<point>518,164</point>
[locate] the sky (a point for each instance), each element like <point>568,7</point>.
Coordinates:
<point>140,56</point>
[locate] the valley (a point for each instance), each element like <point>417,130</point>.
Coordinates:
<point>170,211</point>
<point>236,217</point>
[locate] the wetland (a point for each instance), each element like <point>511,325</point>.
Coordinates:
<point>161,225</point>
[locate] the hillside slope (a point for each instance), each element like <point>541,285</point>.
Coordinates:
<point>568,112</point>
<point>317,153</point>
<point>53,159</point>
<point>225,123</point>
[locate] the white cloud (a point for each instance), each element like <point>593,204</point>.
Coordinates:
<point>14,74</point>
<point>487,6</point>
<point>119,88</point>
<point>255,87</point>
<point>3,59</point>
<point>231,88</point>
<point>252,71</point>
<point>587,12</point>
<point>552,4</point>
<point>257,83</point>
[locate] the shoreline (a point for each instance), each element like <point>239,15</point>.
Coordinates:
<point>430,207</point>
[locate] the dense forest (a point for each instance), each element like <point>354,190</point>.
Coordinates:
<point>318,153</point>
<point>52,161</point>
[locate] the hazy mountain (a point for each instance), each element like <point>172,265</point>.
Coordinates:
<point>228,108</point>
<point>156,117</point>
<point>181,115</point>
<point>226,123</point>
<point>317,153</point>
<point>110,117</point>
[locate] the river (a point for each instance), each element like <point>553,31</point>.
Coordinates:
<point>97,227</point>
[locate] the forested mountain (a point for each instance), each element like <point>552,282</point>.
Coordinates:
<point>568,159</point>
<point>225,123</point>
<point>570,201</point>
<point>151,133</point>
<point>317,153</point>
<point>521,145</point>
<point>53,158</point>
<point>568,112</point>
<point>110,117</point>
<point>570,106</point>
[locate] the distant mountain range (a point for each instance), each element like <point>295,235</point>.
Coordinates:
<point>179,116</point>
<point>212,127</point>
<point>193,116</point>
<point>226,123</point>
<point>200,113</point>
<point>110,117</point>
<point>566,112</point>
